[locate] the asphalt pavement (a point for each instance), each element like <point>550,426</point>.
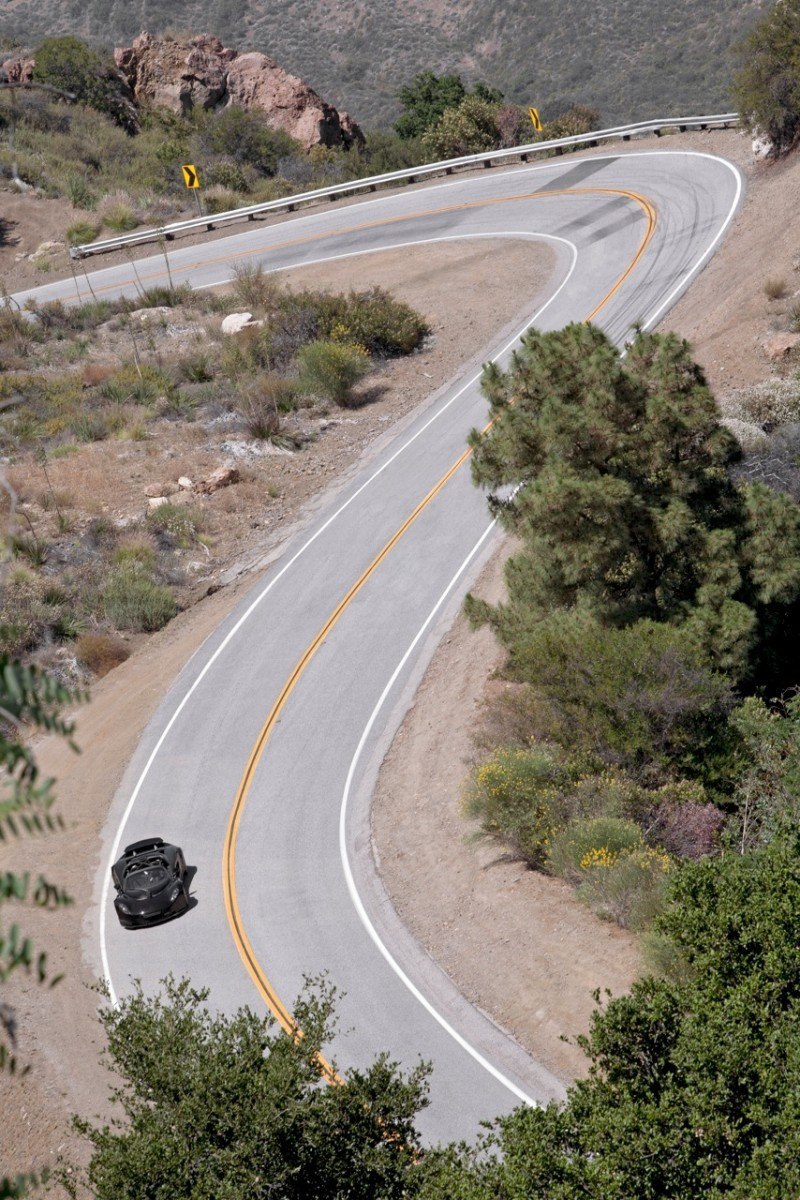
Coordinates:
<point>334,637</point>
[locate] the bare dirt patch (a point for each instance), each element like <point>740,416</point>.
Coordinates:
<point>726,314</point>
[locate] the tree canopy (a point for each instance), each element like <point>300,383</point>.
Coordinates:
<point>231,1106</point>
<point>624,502</point>
<point>766,89</point>
<point>694,1085</point>
<point>29,699</point>
<point>425,99</point>
<point>71,66</point>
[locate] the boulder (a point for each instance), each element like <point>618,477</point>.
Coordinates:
<point>236,322</point>
<point>762,147</point>
<point>780,345</point>
<point>257,82</point>
<point>185,483</point>
<point>222,477</point>
<point>157,491</point>
<point>176,74</point>
<point>155,502</point>
<point>18,70</point>
<point>156,315</point>
<point>199,72</point>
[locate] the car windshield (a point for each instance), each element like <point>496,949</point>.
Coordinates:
<point>147,879</point>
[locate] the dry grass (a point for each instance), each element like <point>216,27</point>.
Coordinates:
<point>100,652</point>
<point>775,289</point>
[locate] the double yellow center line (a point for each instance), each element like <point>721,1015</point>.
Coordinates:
<point>242,942</point>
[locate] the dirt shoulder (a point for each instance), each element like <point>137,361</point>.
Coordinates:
<point>67,1077</point>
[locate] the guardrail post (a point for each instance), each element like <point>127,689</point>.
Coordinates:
<point>394,178</point>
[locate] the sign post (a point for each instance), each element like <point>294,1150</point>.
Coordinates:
<point>192,180</point>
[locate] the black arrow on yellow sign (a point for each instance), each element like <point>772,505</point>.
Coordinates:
<point>190,176</point>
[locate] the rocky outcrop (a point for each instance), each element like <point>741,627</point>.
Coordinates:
<point>17,70</point>
<point>256,82</point>
<point>199,72</point>
<point>178,75</point>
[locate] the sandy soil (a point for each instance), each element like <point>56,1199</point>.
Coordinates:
<point>517,943</point>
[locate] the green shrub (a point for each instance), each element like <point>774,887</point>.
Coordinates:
<point>629,890</point>
<point>331,369</point>
<point>226,174</point>
<point>18,334</point>
<point>265,190</point>
<point>576,120</point>
<point>374,320</point>
<point>31,612</point>
<point>467,129</point>
<point>136,385</point>
<point>254,288</point>
<point>80,193</point>
<point>766,90</point>
<point>69,65</point>
<point>643,698</point>
<point>260,402</point>
<point>245,137</point>
<point>220,199</point>
<point>198,367</point>
<point>132,599</point>
<point>136,550</point>
<point>81,232</point>
<point>517,796</point>
<point>30,547</point>
<point>179,523</point>
<point>588,843</point>
<point>92,426</point>
<point>60,320</point>
<point>120,218</point>
<point>425,99</point>
<point>247,353</point>
<point>163,296</point>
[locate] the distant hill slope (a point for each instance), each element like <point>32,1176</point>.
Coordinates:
<point>628,59</point>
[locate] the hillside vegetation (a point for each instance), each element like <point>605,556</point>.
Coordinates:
<point>628,60</point>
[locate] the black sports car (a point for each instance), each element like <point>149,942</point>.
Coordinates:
<point>151,883</point>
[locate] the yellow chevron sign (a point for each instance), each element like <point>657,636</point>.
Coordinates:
<point>190,177</point>
<point>537,124</point>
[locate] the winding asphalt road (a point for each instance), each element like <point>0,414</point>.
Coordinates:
<point>261,758</point>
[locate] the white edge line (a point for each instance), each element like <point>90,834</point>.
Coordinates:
<point>358,904</point>
<point>343,850</point>
<point>302,216</point>
<point>348,873</point>
<point>255,603</point>
<point>694,270</point>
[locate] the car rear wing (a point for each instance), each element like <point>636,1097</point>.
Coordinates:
<point>145,844</point>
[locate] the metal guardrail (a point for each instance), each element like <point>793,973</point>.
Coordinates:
<point>409,175</point>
